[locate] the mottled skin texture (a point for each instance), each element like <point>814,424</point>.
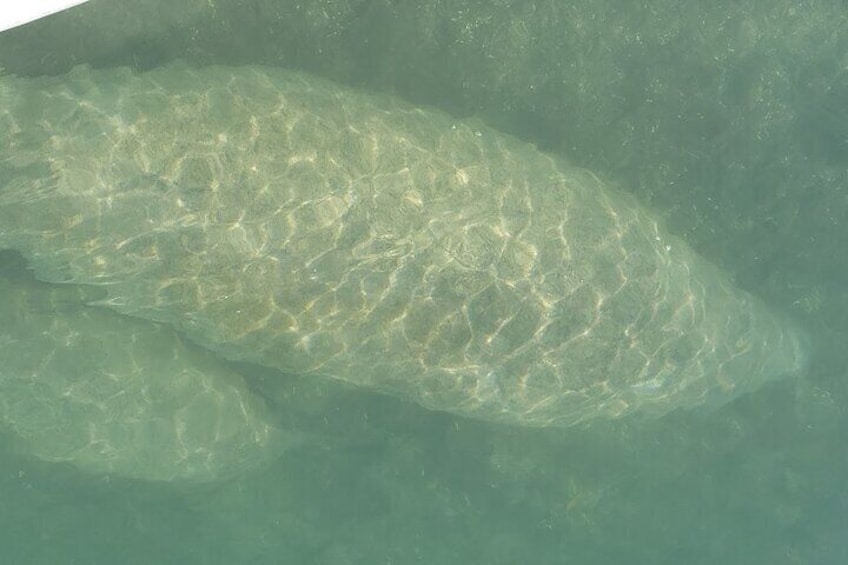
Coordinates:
<point>278,218</point>
<point>121,396</point>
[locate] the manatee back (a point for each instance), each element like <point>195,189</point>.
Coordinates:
<point>278,218</point>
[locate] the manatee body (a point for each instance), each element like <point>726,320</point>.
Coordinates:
<point>278,218</point>
<point>121,396</point>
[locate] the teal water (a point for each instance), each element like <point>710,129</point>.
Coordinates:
<point>729,121</point>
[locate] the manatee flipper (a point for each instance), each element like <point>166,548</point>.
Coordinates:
<point>281,219</point>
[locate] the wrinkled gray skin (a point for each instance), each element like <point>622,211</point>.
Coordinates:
<point>278,218</point>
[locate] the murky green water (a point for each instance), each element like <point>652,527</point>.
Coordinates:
<point>729,121</point>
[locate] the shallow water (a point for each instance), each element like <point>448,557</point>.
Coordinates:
<point>377,480</point>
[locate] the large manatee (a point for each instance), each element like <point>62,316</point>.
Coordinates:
<point>277,218</point>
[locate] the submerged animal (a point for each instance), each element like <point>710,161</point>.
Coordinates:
<point>120,396</point>
<point>277,218</point>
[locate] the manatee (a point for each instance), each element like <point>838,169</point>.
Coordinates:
<point>121,396</point>
<point>277,218</point>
